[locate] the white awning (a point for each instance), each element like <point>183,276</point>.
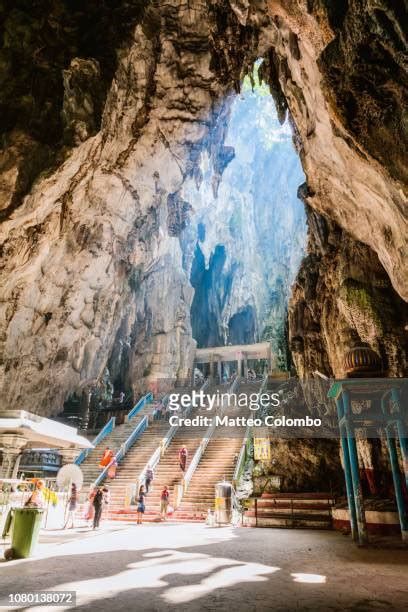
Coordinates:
<point>40,431</point>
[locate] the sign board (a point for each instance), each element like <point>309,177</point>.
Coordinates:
<point>262,449</point>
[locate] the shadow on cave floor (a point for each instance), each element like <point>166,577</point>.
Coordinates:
<point>191,567</point>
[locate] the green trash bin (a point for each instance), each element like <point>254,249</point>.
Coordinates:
<point>26,529</point>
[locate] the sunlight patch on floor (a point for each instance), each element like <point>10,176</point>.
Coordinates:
<point>133,538</point>
<point>309,578</point>
<point>224,578</point>
<point>151,572</point>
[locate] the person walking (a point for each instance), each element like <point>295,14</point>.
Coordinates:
<point>164,502</point>
<point>113,466</point>
<point>141,506</point>
<point>106,458</point>
<point>72,506</point>
<point>98,505</point>
<point>183,454</point>
<point>90,510</point>
<point>149,478</point>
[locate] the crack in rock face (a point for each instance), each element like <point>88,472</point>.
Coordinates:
<point>87,257</point>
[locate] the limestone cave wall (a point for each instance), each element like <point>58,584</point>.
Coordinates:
<point>342,295</point>
<point>108,109</point>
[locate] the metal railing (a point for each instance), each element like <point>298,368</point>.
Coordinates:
<point>129,442</point>
<point>158,453</point>
<point>296,512</point>
<point>242,457</point>
<point>235,384</point>
<point>197,457</point>
<point>264,384</point>
<point>14,493</point>
<point>205,384</point>
<point>244,450</point>
<point>160,450</point>
<point>109,427</point>
<point>200,450</point>
<point>263,387</point>
<point>146,399</point>
<point>136,433</point>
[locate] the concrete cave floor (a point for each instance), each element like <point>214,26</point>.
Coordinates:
<point>195,567</point>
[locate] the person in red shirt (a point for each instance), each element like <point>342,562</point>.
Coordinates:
<point>183,454</point>
<point>164,502</point>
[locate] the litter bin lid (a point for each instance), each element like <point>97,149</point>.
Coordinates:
<point>223,489</point>
<point>29,509</point>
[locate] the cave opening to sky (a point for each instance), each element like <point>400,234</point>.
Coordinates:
<point>249,233</point>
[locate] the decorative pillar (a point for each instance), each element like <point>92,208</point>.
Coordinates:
<point>239,365</point>
<point>10,462</point>
<point>212,368</point>
<point>399,494</point>
<point>402,434</point>
<point>16,465</point>
<point>396,477</point>
<point>68,455</point>
<point>12,446</point>
<point>271,365</point>
<point>355,473</point>
<point>245,366</point>
<point>219,367</point>
<point>347,473</point>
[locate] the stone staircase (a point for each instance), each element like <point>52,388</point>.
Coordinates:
<point>130,468</point>
<point>295,510</point>
<point>217,463</point>
<point>167,473</point>
<point>119,435</point>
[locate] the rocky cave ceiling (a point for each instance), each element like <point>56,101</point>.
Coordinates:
<point>107,108</point>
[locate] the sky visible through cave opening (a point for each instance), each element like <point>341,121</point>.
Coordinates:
<point>251,238</point>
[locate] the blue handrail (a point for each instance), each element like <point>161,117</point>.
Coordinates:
<point>146,399</point>
<point>101,435</point>
<point>136,433</point>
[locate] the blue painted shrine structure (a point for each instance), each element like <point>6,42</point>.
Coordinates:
<point>387,416</point>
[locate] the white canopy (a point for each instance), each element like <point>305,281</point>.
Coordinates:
<point>40,431</point>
